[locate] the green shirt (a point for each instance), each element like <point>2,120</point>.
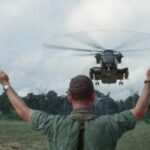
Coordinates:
<point>101,133</point>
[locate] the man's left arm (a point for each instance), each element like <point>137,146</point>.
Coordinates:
<point>140,110</point>
<point>21,108</point>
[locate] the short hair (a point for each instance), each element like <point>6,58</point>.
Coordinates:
<point>81,88</point>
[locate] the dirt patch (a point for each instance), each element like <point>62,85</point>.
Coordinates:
<point>10,146</point>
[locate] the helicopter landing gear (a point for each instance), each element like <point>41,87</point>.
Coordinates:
<point>97,83</point>
<point>120,83</point>
<point>126,73</point>
<point>91,74</point>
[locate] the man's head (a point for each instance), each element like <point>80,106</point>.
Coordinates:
<point>81,89</point>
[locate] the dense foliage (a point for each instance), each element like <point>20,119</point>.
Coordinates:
<point>51,103</point>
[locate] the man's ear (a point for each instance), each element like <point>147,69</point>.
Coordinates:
<point>69,99</point>
<point>93,96</point>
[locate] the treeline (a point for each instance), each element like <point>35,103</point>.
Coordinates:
<point>51,103</point>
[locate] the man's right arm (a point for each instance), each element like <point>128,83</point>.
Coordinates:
<point>139,111</point>
<point>21,108</point>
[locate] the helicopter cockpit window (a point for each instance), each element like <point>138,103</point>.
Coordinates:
<point>108,57</point>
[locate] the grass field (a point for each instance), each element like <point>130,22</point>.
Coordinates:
<point>19,136</point>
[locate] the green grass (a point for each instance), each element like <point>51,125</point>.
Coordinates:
<point>20,136</point>
<point>16,135</point>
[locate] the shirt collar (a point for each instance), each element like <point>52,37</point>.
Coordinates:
<point>81,111</point>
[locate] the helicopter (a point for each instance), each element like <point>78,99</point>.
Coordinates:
<point>108,59</point>
<point>108,71</point>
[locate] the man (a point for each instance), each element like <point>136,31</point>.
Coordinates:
<point>81,129</point>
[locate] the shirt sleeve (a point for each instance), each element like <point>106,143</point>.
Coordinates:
<point>122,122</point>
<point>42,121</point>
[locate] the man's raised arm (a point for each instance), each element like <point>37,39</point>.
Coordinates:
<point>141,107</point>
<point>21,108</point>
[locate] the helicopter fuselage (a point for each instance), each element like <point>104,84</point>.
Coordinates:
<point>108,72</point>
<point>108,59</point>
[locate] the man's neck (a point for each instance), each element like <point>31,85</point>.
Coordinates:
<point>81,105</point>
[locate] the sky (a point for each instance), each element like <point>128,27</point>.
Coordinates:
<point>26,25</point>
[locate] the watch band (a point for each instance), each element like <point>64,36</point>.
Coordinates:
<point>147,81</point>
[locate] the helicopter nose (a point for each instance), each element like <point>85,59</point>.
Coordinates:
<point>109,65</point>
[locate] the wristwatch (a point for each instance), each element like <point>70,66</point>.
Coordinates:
<point>147,81</point>
<point>6,87</point>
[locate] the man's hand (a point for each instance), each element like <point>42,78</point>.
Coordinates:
<point>21,108</point>
<point>148,74</point>
<point>4,79</point>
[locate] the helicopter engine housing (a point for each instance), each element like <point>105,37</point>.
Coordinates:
<point>98,57</point>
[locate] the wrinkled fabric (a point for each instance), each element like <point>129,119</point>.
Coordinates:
<point>101,133</point>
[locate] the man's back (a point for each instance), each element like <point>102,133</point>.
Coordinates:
<point>101,133</point>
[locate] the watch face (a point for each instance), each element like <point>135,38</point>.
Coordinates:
<point>6,87</point>
<point>147,81</point>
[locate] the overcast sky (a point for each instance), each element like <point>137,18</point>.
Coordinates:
<point>26,25</point>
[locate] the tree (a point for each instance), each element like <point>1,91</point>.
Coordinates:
<point>5,105</point>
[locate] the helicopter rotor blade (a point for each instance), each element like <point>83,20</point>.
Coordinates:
<point>134,39</point>
<point>69,48</point>
<point>86,39</point>
<point>82,55</point>
<point>135,50</point>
